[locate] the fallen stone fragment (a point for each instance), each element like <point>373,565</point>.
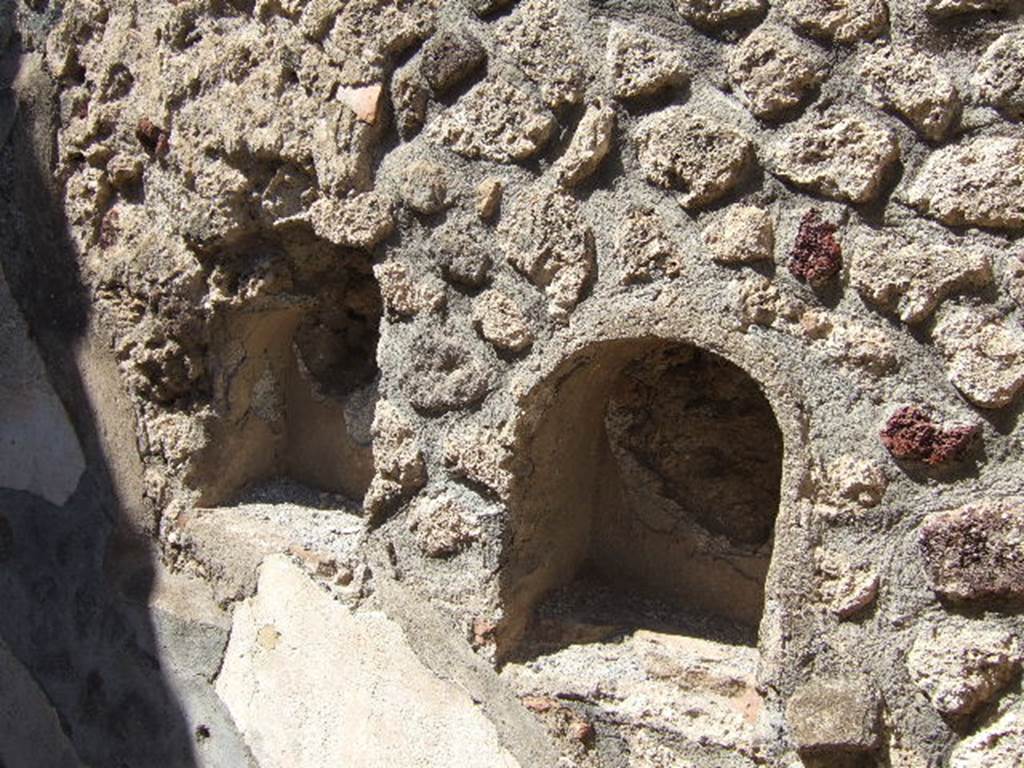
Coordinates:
<point>913,279</point>
<point>398,467</point>
<point>547,239</point>
<point>361,221</point>
<point>839,154</point>
<point>700,158</point>
<point>443,525</point>
<point>943,8</point>
<point>500,321</point>
<point>644,249</point>
<point>913,86</point>
<point>976,551</point>
<point>984,354</point>
<point>713,14</point>
<point>590,144</point>
<point>488,197</point>
<point>816,255</point>
<point>911,433</point>
<point>448,58</point>
<point>999,79</point>
<point>834,716</point>
<point>741,235</point>
<point>495,121</point>
<point>975,183</point>
<point>403,295</point>
<point>640,64</point>
<point>444,375</point>
<point>774,70</point>
<point>841,21</point>
<point>998,744</point>
<point>961,665</point>
<point>424,187</point>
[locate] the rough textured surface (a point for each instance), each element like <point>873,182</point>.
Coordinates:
<point>686,152</point>
<point>974,552</point>
<point>973,183</point>
<point>838,154</point>
<point>961,666</point>
<point>774,70</point>
<point>509,325</point>
<point>834,716</point>
<point>915,87</point>
<point>911,280</point>
<point>985,355</point>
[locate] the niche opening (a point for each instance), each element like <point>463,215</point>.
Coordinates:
<point>656,472</point>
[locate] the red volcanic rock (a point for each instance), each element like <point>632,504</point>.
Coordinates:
<point>911,433</point>
<point>152,137</point>
<point>816,254</point>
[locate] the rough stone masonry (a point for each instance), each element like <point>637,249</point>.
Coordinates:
<point>527,383</point>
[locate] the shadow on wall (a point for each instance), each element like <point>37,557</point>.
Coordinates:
<point>81,681</point>
<point>656,470</point>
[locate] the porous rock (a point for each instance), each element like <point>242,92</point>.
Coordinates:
<point>913,86</point>
<point>912,433</point>
<point>701,158</point>
<point>842,21</point>
<point>999,78</point>
<point>590,144</point>
<point>911,280</point>
<point>444,525</point>
<point>984,355</point>
<point>361,221</point>
<point>495,121</point>
<point>398,467</point>
<point>548,240</point>
<point>644,248</point>
<point>946,8</point>
<point>976,551</point>
<point>539,36</point>
<point>744,233</point>
<point>839,154</point>
<point>500,321</point>
<point>480,456</point>
<point>962,665</point>
<point>714,14</point>
<point>405,295</point>
<point>640,64</point>
<point>424,187</point>
<point>774,70</point>
<point>999,742</point>
<point>816,255</point>
<point>974,183</point>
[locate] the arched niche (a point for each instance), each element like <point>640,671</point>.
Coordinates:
<point>654,465</point>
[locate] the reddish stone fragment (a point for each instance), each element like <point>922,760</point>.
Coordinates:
<point>816,255</point>
<point>976,551</point>
<point>911,433</point>
<point>152,137</point>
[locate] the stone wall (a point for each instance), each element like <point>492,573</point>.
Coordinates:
<point>647,371</point>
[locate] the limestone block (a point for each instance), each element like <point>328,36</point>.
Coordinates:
<point>311,683</point>
<point>774,70</point>
<point>841,21</point>
<point>913,86</point>
<point>590,144</point>
<point>742,234</point>
<point>984,355</point>
<point>834,716</point>
<point>640,64</point>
